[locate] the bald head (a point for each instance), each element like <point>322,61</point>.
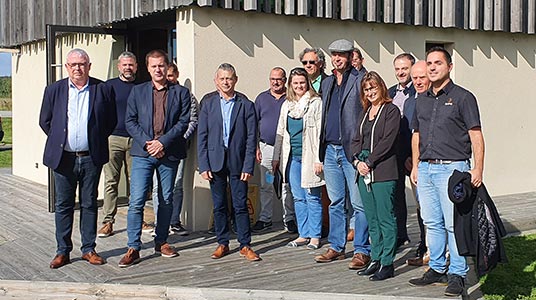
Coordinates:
<point>419,76</point>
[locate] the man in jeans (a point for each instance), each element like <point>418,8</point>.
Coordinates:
<point>178,191</point>
<point>341,106</point>
<point>157,117</point>
<point>267,106</point>
<point>446,128</point>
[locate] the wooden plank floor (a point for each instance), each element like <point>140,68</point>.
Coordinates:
<point>27,245</point>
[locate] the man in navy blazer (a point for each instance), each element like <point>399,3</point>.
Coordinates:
<point>341,104</point>
<point>77,115</point>
<point>226,145</point>
<point>403,95</point>
<point>158,113</point>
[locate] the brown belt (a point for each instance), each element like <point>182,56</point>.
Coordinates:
<point>77,153</point>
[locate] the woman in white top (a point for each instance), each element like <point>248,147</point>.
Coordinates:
<point>296,145</point>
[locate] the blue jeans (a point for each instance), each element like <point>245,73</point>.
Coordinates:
<point>140,185</point>
<point>178,192</point>
<point>437,212</point>
<point>76,171</point>
<point>307,203</point>
<point>340,176</point>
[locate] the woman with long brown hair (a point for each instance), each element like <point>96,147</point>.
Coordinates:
<point>375,160</point>
<point>296,145</point>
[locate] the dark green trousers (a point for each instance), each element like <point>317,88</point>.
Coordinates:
<point>378,202</point>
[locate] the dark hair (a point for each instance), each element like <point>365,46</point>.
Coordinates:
<point>442,50</point>
<point>374,79</point>
<point>280,69</point>
<point>174,68</point>
<point>358,53</point>
<point>407,56</point>
<point>298,72</point>
<point>157,53</point>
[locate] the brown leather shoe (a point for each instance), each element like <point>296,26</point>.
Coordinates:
<point>330,256</point>
<point>165,250</point>
<point>59,261</point>
<point>106,230</point>
<point>220,252</point>
<point>350,236</point>
<point>414,261</point>
<point>132,257</point>
<point>249,254</point>
<point>93,258</point>
<point>359,261</point>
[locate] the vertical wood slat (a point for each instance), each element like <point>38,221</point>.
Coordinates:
<point>371,11</point>
<point>488,15</point>
<point>498,20</point>
<point>347,9</point>
<point>388,10</point>
<point>516,15</point>
<point>431,10</point>
<point>448,13</point>
<point>29,20</point>
<point>474,15</point>
<point>329,9</point>
<point>419,13</point>
<point>277,7</point>
<point>289,7</point>
<point>303,7</point>
<point>250,4</point>
<point>400,11</point>
<point>531,16</point>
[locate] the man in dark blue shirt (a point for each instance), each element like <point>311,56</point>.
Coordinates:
<point>120,141</point>
<point>341,107</point>
<point>267,106</point>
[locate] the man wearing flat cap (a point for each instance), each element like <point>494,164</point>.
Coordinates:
<point>341,106</point>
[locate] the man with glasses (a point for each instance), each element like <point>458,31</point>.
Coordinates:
<point>77,115</point>
<point>267,106</point>
<point>314,62</point>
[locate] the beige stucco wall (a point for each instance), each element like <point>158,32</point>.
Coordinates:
<point>29,81</point>
<point>498,68</point>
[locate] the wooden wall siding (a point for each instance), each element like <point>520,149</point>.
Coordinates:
<point>22,21</point>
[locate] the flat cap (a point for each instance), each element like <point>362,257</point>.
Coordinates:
<point>341,45</point>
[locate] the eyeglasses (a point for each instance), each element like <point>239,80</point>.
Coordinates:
<point>371,89</point>
<point>310,62</point>
<point>79,65</point>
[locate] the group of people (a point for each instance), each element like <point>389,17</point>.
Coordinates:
<point>346,131</point>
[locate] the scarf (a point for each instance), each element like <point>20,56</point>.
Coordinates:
<point>296,109</point>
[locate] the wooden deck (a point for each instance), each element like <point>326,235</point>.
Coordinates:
<point>27,245</point>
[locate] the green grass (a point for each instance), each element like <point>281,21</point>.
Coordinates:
<point>6,156</point>
<point>515,280</point>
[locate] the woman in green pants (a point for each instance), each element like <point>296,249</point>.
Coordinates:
<point>375,160</point>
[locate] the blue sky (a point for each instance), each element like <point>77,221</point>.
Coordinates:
<point>5,64</point>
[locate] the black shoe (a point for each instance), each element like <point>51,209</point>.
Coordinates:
<point>261,226</point>
<point>421,250</point>
<point>429,277</point>
<point>402,242</point>
<point>455,286</point>
<point>291,227</point>
<point>372,268</point>
<point>178,229</point>
<point>383,273</point>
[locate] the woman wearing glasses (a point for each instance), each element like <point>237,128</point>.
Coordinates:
<point>375,160</point>
<point>296,145</point>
